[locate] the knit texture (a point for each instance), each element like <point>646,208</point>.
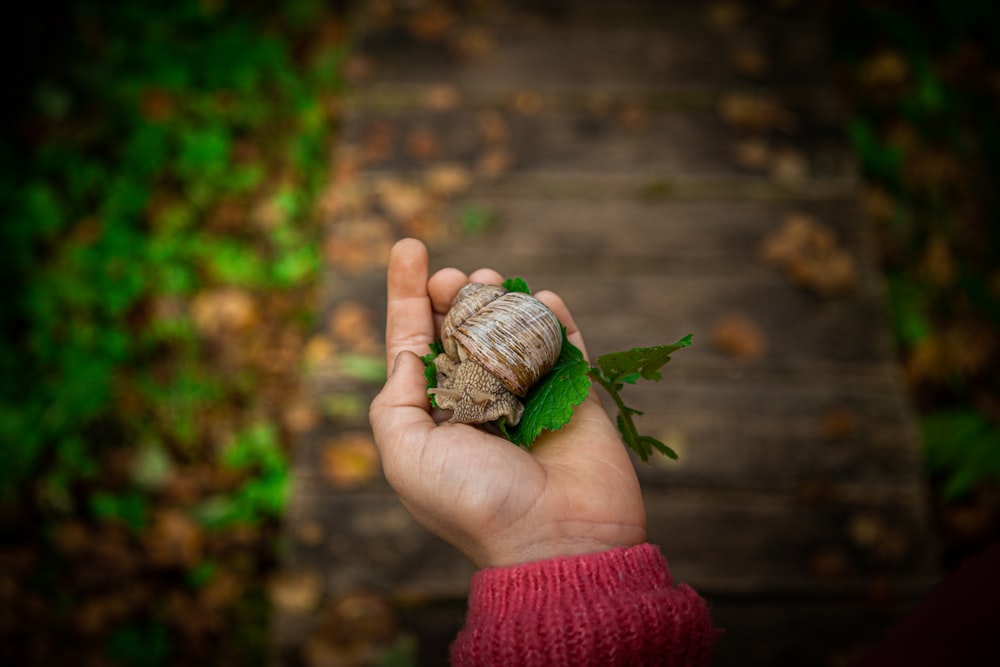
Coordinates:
<point>617,607</point>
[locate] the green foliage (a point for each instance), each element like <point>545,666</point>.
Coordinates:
<point>430,370</point>
<point>140,644</point>
<point>926,129</point>
<point>516,284</point>
<point>963,447</point>
<point>142,139</point>
<point>256,451</point>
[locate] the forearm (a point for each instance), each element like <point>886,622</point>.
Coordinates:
<point>618,607</point>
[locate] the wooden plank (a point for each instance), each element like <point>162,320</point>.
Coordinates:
<point>688,143</point>
<point>667,236</point>
<point>638,46</point>
<point>726,543</point>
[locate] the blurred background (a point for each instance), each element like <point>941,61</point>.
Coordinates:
<point>170,173</point>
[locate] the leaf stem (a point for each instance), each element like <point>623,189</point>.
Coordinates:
<point>625,413</point>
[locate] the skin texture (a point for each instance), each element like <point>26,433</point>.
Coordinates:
<point>574,493</point>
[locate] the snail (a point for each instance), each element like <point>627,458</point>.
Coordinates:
<point>497,344</point>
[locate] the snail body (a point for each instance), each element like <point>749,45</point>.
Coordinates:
<point>497,344</point>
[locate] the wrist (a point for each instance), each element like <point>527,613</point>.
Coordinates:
<point>518,552</point>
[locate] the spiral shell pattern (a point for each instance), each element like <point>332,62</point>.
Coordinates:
<point>513,335</point>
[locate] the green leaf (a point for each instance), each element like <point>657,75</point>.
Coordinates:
<point>629,365</point>
<point>615,370</point>
<point>549,405</point>
<point>430,370</point>
<point>516,284</point>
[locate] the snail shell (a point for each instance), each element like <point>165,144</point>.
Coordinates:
<point>513,335</point>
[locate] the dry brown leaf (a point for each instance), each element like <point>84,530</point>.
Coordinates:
<point>351,326</point>
<point>756,113</point>
<point>309,532</point>
<point>750,60</point>
<point>379,142</point>
<point>301,416</point>
<point>431,22</point>
<point>402,200</point>
<point>829,562</point>
<point>789,165</point>
<point>448,180</point>
<point>527,102</point>
<point>358,243</point>
<point>296,590</point>
<point>937,265</point>
<point>494,164</point>
<point>879,205</point>
<point>885,68</point>
<point>724,15</point>
<point>634,115</point>
<point>422,144</point>
<point>752,153</point>
<point>350,460</point>
<point>493,127</point>
<point>738,336</point>
<point>319,352</point>
<point>473,43</point>
<point>810,256</point>
<point>173,540</point>
<point>442,97</point>
<point>840,423</point>
<point>224,311</point>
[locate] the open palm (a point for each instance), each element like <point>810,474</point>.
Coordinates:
<point>574,492</point>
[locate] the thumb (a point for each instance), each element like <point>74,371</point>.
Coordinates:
<point>402,408</point>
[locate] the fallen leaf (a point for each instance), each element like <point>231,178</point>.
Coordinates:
<point>448,180</point>
<point>493,127</point>
<point>442,97</point>
<point>750,60</point>
<point>473,43</point>
<point>752,153</point>
<point>885,68</point>
<point>810,256</point>
<point>173,540</point>
<point>494,164</point>
<point>318,352</point>
<point>756,113</point>
<point>738,336</point>
<point>224,311</point>
<point>351,326</point>
<point>356,244</point>
<point>310,532</point>
<point>527,102</point>
<point>840,423</point>
<point>301,416</point>
<point>349,460</point>
<point>422,145</point>
<point>829,562</point>
<point>724,15</point>
<point>378,143</point>
<point>431,22</point>
<point>937,266</point>
<point>788,165</point>
<point>297,590</point>
<point>401,199</point>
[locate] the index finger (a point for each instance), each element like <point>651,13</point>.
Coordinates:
<point>409,315</point>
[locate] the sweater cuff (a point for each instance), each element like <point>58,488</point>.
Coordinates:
<point>609,608</point>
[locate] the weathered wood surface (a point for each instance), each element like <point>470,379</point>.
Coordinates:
<point>600,140</point>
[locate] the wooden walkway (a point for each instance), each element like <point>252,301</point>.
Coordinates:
<point>667,168</point>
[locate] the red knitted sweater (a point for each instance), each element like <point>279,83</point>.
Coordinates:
<point>618,607</point>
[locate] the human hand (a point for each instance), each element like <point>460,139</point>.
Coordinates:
<point>574,492</point>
